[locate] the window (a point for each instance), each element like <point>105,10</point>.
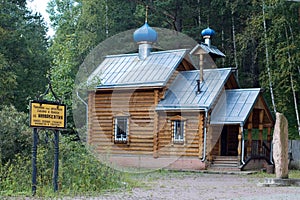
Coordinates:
<point>178,131</point>
<point>121,129</point>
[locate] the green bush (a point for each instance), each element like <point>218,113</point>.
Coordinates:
<point>80,172</point>
<point>15,177</point>
<point>15,135</point>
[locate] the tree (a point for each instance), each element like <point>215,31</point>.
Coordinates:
<point>7,81</point>
<point>23,48</point>
<point>81,25</point>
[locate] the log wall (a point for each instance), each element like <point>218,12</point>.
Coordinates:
<point>192,145</point>
<point>136,104</point>
<point>150,133</point>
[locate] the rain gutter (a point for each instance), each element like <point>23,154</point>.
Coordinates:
<point>271,153</point>
<point>86,108</point>
<point>243,144</point>
<point>205,135</point>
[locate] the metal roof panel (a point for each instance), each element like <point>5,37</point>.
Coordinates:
<point>184,89</point>
<point>235,106</point>
<point>127,70</point>
<point>208,49</point>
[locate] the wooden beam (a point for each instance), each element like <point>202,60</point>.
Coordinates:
<point>91,107</point>
<point>200,133</point>
<point>260,129</point>
<point>156,126</point>
<point>269,137</point>
<point>249,145</point>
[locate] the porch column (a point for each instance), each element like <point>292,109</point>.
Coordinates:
<point>269,137</point>
<point>249,145</point>
<point>260,129</point>
<point>156,127</point>
<point>240,144</point>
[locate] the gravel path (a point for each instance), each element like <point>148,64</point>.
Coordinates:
<point>190,186</point>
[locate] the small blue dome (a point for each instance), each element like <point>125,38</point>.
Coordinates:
<point>145,34</point>
<point>207,32</point>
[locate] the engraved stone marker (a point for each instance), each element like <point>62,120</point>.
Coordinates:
<point>280,146</point>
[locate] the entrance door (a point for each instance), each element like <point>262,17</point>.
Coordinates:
<point>224,141</point>
<point>229,141</point>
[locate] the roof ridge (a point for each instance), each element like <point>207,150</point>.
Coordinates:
<point>155,52</point>
<point>237,89</point>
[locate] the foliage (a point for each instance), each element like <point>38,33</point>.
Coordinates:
<point>80,173</point>
<point>23,49</point>
<point>7,80</point>
<point>15,135</point>
<point>15,177</point>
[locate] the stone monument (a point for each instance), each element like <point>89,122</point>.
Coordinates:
<point>280,147</point>
<point>280,155</point>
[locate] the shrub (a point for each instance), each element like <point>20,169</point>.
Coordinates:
<point>15,135</point>
<point>80,172</point>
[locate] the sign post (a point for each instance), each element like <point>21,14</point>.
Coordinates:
<point>56,154</point>
<point>34,155</point>
<point>46,115</point>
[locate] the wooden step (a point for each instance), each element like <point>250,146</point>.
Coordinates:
<point>225,163</point>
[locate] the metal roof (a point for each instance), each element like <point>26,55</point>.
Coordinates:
<point>182,94</point>
<point>208,49</point>
<point>127,70</point>
<point>234,106</point>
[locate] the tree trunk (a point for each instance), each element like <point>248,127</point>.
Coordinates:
<point>234,41</point>
<point>292,82</point>
<point>267,59</point>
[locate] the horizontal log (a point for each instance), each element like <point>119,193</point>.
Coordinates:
<point>171,145</point>
<point>177,154</point>
<point>130,148</point>
<point>146,97</point>
<point>144,137</point>
<point>139,153</point>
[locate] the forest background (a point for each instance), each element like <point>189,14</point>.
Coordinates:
<point>259,38</point>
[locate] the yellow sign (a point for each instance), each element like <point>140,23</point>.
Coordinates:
<point>47,115</point>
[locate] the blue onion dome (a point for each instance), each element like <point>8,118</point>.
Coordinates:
<point>145,34</point>
<point>207,32</point>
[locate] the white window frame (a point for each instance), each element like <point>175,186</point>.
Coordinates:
<point>176,133</point>
<point>121,137</point>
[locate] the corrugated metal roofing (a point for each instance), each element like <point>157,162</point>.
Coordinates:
<point>208,49</point>
<point>234,106</point>
<point>127,70</point>
<point>182,92</point>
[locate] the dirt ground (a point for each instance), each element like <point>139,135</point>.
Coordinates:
<point>190,186</point>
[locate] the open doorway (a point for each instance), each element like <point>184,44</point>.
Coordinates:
<point>229,141</point>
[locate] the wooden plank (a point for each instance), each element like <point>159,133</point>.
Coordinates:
<point>249,145</point>
<point>155,126</point>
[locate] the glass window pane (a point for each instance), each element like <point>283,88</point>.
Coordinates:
<point>121,129</point>
<point>178,131</point>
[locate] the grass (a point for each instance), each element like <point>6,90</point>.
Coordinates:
<point>292,174</point>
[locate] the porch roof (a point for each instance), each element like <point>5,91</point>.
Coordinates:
<point>127,70</point>
<point>234,106</point>
<point>204,48</point>
<point>182,93</point>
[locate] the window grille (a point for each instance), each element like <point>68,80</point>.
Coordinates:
<point>178,131</point>
<point>121,129</point>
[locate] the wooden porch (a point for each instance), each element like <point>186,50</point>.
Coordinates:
<point>244,147</point>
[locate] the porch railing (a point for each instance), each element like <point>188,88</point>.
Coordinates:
<point>257,150</point>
